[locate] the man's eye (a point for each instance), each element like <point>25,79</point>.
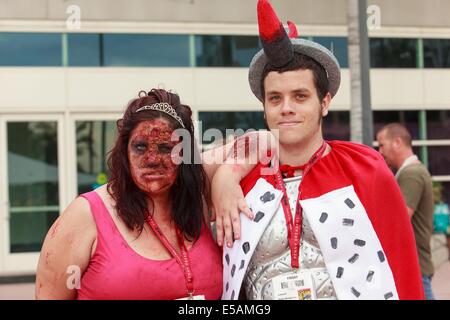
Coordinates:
<point>301,97</point>
<point>274,98</point>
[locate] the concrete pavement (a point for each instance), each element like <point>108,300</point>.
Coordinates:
<point>441,282</point>
<point>19,291</point>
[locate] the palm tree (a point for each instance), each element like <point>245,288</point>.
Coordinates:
<point>361,124</point>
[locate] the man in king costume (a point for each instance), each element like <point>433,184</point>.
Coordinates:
<point>331,222</point>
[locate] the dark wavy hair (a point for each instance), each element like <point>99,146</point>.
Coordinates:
<point>302,62</point>
<point>191,189</point>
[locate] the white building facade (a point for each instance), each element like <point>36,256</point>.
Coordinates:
<point>62,87</point>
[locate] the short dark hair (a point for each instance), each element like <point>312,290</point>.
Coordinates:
<point>302,62</point>
<point>398,130</point>
<point>191,187</point>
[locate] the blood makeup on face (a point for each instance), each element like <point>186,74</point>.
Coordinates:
<point>149,153</point>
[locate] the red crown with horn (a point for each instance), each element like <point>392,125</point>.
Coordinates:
<point>279,49</point>
<point>276,42</point>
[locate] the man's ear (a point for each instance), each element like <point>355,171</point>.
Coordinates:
<point>397,142</point>
<point>325,104</point>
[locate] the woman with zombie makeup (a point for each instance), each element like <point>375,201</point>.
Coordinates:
<point>146,234</point>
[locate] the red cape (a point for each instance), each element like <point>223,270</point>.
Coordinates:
<point>364,168</point>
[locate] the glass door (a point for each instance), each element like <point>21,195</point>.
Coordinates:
<point>32,187</point>
<point>94,137</point>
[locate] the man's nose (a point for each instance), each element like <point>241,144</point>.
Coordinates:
<point>286,107</point>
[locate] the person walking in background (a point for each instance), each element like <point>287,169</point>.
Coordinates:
<point>415,183</point>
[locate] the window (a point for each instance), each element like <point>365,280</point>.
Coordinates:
<point>33,183</point>
<point>84,49</point>
<point>393,53</point>
<point>94,140</point>
<point>438,124</point>
<point>445,191</point>
<point>409,118</point>
<point>213,51</point>
<point>436,53</point>
<point>336,126</point>
<point>337,45</point>
<point>439,159</point>
<point>243,50</point>
<point>30,49</point>
<point>146,50</point>
<point>225,51</point>
<point>230,120</point>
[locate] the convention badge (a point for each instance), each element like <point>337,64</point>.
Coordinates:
<point>294,286</point>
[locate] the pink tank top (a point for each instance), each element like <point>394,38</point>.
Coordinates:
<point>116,271</point>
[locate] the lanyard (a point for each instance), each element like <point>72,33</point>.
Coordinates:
<point>295,227</point>
<point>183,259</point>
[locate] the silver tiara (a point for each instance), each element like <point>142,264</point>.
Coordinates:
<point>163,107</point>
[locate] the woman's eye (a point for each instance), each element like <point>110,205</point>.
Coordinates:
<point>164,148</point>
<point>140,147</point>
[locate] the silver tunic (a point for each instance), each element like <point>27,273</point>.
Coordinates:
<point>272,256</point>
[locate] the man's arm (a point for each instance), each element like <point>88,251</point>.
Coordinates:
<point>230,164</point>
<point>410,212</point>
<point>412,188</point>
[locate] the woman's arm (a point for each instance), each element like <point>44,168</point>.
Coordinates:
<point>66,252</point>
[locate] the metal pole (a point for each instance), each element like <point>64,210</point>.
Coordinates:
<point>422,113</point>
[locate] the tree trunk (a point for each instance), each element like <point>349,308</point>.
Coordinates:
<point>361,126</point>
